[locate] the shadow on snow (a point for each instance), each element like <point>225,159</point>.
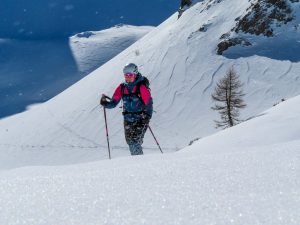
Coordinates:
<point>274,49</point>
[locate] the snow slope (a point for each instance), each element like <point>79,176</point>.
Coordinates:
<point>180,59</point>
<point>92,49</point>
<point>34,71</point>
<point>246,175</point>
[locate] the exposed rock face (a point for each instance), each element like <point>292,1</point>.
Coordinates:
<point>224,45</point>
<point>260,19</point>
<point>262,14</point>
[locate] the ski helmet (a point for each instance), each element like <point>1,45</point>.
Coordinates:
<point>130,68</point>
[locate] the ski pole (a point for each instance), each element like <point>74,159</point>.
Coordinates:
<point>107,137</point>
<point>155,139</point>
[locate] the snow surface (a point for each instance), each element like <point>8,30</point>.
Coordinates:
<point>93,48</point>
<point>35,71</point>
<point>235,183</point>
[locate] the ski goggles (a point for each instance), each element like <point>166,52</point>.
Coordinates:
<point>129,75</point>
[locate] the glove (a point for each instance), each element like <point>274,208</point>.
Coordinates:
<point>104,100</point>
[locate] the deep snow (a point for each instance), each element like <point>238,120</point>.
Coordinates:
<point>231,183</point>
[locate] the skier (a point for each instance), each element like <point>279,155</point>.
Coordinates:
<point>183,6</point>
<point>137,106</point>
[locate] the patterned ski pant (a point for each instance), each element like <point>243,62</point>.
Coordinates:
<point>134,135</point>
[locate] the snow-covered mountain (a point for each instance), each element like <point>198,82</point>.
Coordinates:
<point>92,49</point>
<point>248,174</point>
<point>32,72</point>
<point>181,61</point>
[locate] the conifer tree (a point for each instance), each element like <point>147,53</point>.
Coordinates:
<point>228,95</point>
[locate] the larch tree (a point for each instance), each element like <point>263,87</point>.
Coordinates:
<point>228,95</point>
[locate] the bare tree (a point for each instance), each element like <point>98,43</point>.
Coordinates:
<point>228,96</point>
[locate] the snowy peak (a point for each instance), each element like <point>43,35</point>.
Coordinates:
<point>92,48</point>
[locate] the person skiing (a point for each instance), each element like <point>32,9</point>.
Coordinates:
<point>137,106</point>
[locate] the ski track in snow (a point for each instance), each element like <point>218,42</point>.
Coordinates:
<point>173,99</point>
<point>266,70</point>
<point>49,146</point>
<point>198,81</point>
<point>185,69</point>
<point>93,109</point>
<point>248,67</point>
<point>171,75</point>
<point>268,90</point>
<point>152,58</point>
<point>247,72</point>
<point>71,131</point>
<point>287,72</point>
<point>212,78</point>
<point>165,56</point>
<point>170,104</point>
<point>155,77</point>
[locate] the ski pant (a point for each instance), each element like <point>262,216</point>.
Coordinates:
<point>134,135</point>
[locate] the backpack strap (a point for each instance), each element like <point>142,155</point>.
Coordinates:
<point>145,82</point>
<point>129,94</point>
<point>138,89</point>
<point>137,92</point>
<point>122,89</point>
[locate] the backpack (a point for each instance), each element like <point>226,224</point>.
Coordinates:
<point>145,82</point>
